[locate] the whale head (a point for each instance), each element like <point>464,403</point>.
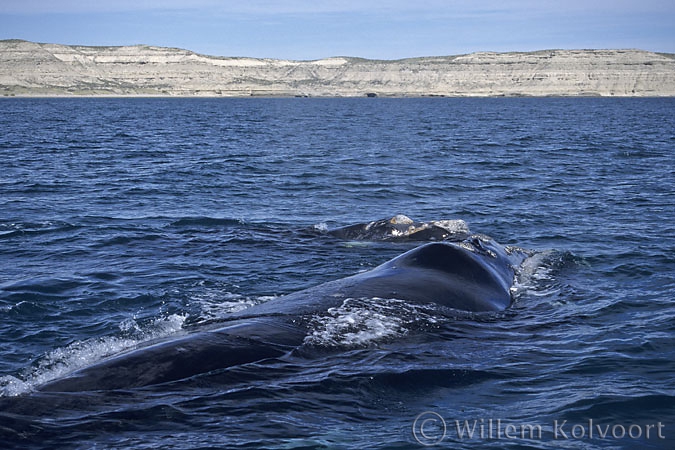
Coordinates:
<point>474,275</point>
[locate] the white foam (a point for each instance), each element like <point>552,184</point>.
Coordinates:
<point>535,276</point>
<point>63,361</point>
<point>11,386</point>
<point>360,322</point>
<point>321,227</point>
<point>214,305</point>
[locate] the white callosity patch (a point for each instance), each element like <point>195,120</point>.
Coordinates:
<point>401,219</point>
<point>453,227</point>
<point>406,227</point>
<point>400,227</point>
<point>365,321</point>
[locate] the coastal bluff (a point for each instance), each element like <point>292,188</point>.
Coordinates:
<point>37,69</point>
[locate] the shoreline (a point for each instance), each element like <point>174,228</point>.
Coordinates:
<point>325,97</point>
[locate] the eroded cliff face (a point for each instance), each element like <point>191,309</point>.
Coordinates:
<point>28,68</point>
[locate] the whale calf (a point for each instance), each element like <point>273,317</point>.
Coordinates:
<point>403,228</point>
<point>474,275</point>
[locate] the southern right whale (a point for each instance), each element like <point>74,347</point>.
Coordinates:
<point>403,228</point>
<point>474,275</point>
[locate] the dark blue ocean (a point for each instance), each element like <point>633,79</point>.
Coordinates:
<point>127,220</point>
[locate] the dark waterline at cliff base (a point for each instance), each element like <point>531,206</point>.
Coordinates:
<point>126,220</point>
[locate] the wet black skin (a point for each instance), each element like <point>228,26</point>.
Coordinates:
<point>472,276</point>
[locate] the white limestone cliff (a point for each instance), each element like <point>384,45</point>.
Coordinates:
<point>32,69</point>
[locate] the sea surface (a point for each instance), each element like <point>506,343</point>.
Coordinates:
<point>127,220</point>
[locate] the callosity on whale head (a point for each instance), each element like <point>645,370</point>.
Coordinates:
<point>403,228</point>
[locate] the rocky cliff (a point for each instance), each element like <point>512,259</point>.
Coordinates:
<point>33,69</point>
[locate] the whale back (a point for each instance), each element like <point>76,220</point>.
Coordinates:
<point>474,276</point>
<point>458,270</point>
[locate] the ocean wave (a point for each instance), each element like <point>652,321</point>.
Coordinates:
<point>619,407</point>
<point>14,229</point>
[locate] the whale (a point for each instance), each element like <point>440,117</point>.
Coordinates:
<point>473,276</point>
<point>402,228</point>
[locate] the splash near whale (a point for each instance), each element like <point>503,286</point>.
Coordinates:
<point>469,275</point>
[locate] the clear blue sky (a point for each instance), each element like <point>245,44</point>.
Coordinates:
<point>312,29</point>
